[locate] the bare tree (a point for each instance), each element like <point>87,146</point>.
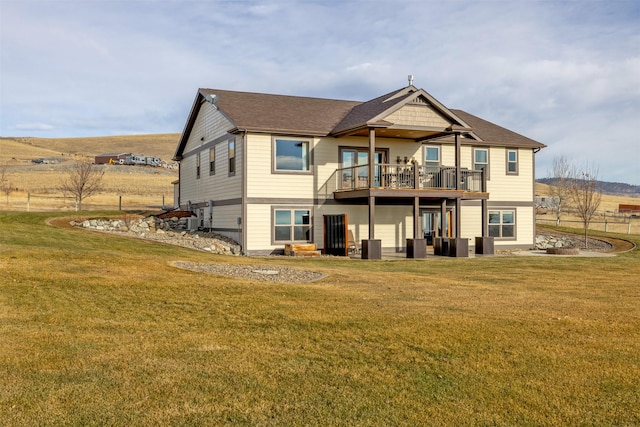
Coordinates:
<point>561,189</point>
<point>82,181</point>
<point>585,195</point>
<point>5,184</point>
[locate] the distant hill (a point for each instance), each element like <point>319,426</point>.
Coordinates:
<point>27,148</point>
<point>612,188</point>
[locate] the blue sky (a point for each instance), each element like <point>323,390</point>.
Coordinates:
<point>566,73</point>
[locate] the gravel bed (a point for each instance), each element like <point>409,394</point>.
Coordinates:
<point>262,273</point>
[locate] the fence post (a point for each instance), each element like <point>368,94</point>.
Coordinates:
<point>606,225</point>
<point>120,202</point>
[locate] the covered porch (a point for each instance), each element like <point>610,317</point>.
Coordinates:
<point>412,184</point>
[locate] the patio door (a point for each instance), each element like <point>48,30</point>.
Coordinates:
<point>360,157</point>
<point>431,225</point>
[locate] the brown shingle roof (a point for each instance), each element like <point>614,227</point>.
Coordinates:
<point>281,113</point>
<point>318,116</point>
<point>490,132</point>
<point>361,114</point>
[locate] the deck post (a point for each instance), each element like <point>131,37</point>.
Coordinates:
<point>372,155</point>
<point>416,217</point>
<point>372,217</point>
<point>371,248</point>
<point>416,247</point>
<point>458,182</point>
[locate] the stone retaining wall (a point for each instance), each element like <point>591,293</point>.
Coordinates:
<point>169,230</point>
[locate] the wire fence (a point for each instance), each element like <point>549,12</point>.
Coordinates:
<point>40,202</point>
<point>614,224</point>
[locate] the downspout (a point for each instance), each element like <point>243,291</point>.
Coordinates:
<point>243,214</point>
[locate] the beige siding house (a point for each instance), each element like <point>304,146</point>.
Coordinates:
<point>399,173</point>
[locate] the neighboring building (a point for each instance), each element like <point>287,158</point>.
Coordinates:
<point>266,170</point>
<point>112,158</point>
<point>633,210</point>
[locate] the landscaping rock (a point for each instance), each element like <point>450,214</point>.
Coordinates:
<point>170,230</point>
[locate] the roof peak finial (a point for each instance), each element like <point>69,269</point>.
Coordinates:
<point>410,79</point>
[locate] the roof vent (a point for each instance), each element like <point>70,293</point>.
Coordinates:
<point>410,79</point>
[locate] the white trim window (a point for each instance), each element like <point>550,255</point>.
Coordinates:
<point>432,156</point>
<point>232,157</point>
<point>291,155</point>
<point>197,165</point>
<point>291,225</point>
<point>481,160</point>
<point>512,162</point>
<point>212,161</point>
<point>502,224</point>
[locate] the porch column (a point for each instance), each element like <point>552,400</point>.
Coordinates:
<point>485,218</point>
<point>416,247</point>
<point>458,247</point>
<point>441,243</point>
<point>372,217</point>
<point>485,204</point>
<point>416,218</point>
<point>371,248</point>
<point>443,218</point>
<point>458,186</point>
<point>370,178</point>
<point>372,155</point>
<point>484,243</point>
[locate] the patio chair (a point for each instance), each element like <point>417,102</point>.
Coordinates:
<point>352,244</point>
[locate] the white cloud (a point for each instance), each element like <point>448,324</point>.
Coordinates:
<point>33,127</point>
<point>564,73</point>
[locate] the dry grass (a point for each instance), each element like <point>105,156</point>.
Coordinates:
<point>25,149</point>
<point>37,186</point>
<point>101,330</point>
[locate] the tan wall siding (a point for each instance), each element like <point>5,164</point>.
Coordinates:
<point>525,221</point>
<point>220,186</point>
<point>261,182</point>
<point>189,185</point>
<point>504,187</point>
<point>471,222</point>
<point>448,153</point>
<point>418,115</point>
<point>258,226</point>
<point>226,216</point>
<point>209,125</point>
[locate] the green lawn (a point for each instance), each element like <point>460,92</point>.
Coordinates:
<point>101,330</point>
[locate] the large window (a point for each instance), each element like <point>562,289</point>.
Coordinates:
<point>232,157</point>
<point>432,156</point>
<point>292,225</point>
<point>502,224</point>
<point>512,162</point>
<point>291,155</point>
<point>212,161</point>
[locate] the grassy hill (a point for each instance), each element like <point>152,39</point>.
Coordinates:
<point>36,186</point>
<point>23,149</point>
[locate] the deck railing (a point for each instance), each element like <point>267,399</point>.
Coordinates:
<point>404,176</point>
